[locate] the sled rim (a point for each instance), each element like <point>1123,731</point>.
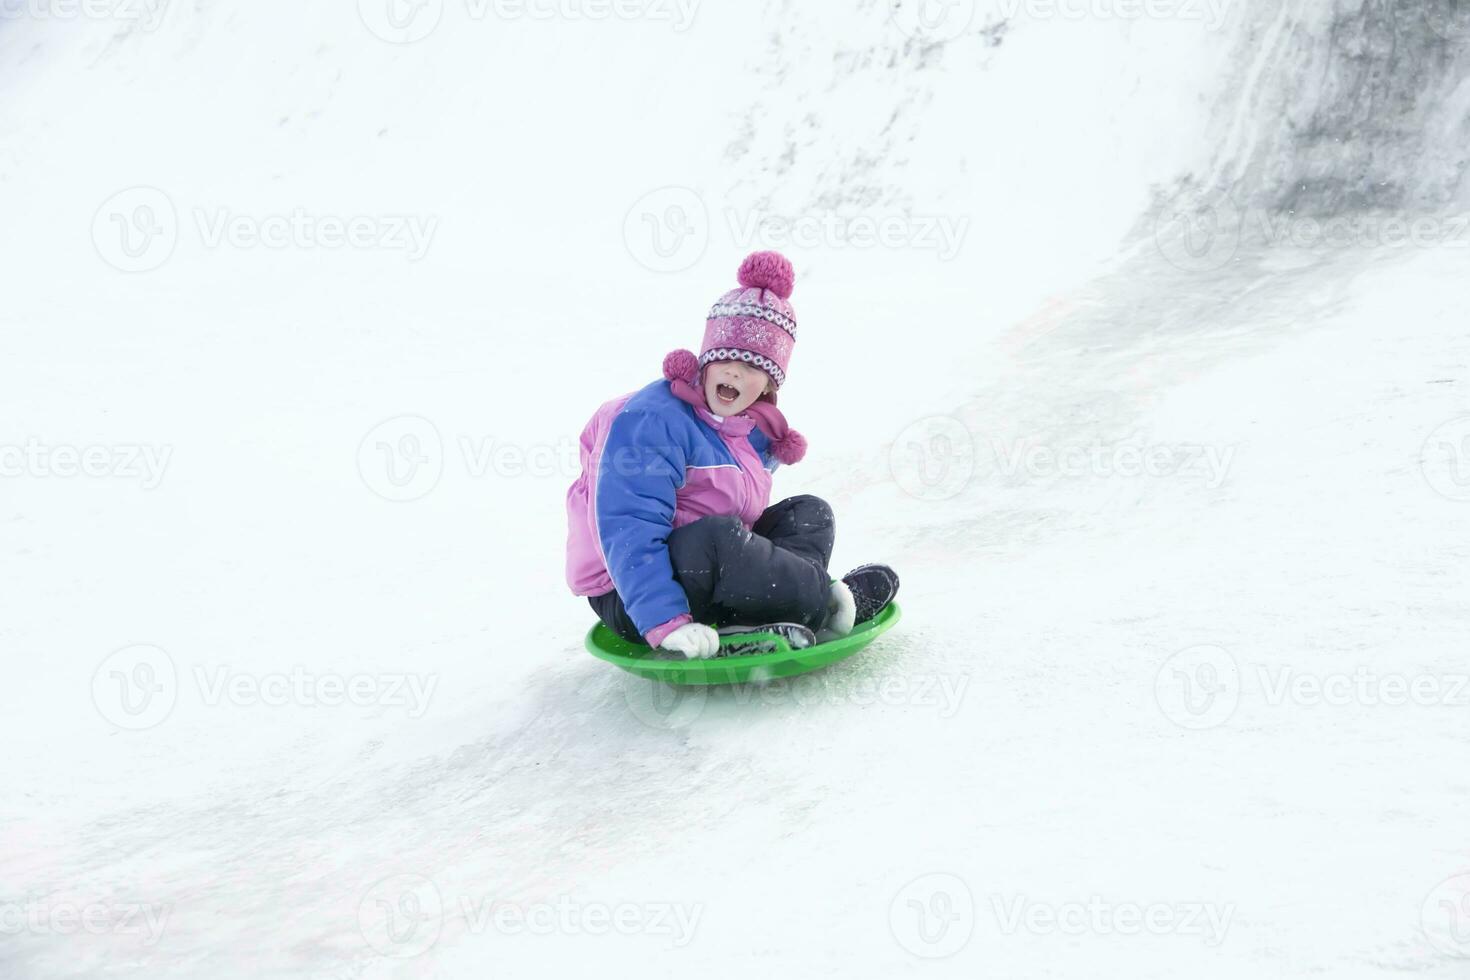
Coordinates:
<point>636,658</point>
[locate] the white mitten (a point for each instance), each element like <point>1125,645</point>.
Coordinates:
<point>693,640</point>
<point>841,609</point>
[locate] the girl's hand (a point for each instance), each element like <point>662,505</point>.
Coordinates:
<point>693,640</point>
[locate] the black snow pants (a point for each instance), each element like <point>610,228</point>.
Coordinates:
<point>774,573</point>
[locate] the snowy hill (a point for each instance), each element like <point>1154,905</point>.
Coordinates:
<point>1136,342</point>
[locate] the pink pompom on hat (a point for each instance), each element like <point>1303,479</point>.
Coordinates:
<point>752,323</point>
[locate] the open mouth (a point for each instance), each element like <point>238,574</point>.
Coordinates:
<point>727,394</point>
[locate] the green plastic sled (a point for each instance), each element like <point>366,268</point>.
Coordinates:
<point>638,659</point>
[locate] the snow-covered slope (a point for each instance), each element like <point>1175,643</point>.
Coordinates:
<point>1111,345</point>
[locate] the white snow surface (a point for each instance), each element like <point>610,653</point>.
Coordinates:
<point>1132,724</point>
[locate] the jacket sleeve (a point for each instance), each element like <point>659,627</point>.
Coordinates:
<point>641,468</point>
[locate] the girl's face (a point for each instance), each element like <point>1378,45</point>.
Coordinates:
<point>730,387</point>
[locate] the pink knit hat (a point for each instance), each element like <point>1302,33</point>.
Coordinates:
<point>752,323</point>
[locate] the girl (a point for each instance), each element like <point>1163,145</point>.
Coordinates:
<point>669,532</point>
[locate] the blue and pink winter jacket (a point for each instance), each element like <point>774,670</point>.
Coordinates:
<point>651,462</point>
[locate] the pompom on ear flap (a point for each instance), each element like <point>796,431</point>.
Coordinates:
<point>681,365</point>
<point>790,449</point>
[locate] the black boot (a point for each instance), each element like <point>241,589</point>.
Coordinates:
<point>796,635</point>
<point>872,587</point>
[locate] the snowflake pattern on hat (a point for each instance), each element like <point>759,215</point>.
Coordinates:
<point>755,318</point>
